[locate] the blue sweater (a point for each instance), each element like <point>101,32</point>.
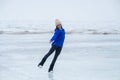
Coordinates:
<point>58,38</point>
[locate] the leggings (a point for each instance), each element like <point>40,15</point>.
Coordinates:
<point>57,50</point>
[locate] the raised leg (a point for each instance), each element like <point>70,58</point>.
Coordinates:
<point>53,48</point>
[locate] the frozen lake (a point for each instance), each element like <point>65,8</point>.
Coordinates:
<point>84,57</point>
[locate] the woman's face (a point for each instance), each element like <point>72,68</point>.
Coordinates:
<point>59,26</point>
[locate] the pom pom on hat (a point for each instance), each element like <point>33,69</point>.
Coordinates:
<point>57,22</point>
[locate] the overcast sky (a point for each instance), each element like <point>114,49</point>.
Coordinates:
<point>71,10</point>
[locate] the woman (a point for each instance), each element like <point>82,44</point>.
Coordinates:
<point>57,43</point>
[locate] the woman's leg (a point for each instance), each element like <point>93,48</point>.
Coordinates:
<point>53,48</point>
<point>57,52</point>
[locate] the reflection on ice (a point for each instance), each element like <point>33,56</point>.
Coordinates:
<point>51,76</point>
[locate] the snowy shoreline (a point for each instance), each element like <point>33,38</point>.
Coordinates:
<point>46,27</point>
<point>88,31</point>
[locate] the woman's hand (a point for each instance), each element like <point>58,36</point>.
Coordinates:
<point>50,41</point>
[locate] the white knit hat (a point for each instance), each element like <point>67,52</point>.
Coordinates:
<point>57,22</point>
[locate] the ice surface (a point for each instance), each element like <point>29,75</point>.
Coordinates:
<point>84,57</point>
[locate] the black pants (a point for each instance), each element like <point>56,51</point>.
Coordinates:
<point>57,52</point>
